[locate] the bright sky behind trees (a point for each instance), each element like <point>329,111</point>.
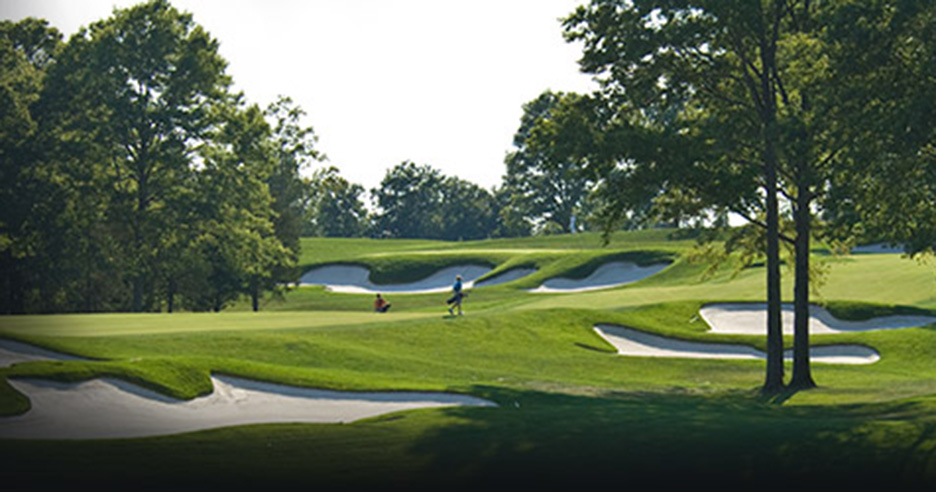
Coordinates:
<point>435,82</point>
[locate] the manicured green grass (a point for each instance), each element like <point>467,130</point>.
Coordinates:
<point>571,411</point>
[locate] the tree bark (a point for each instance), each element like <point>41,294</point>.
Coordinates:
<point>774,378</point>
<point>802,377</point>
<point>255,294</point>
<point>170,295</point>
<point>802,216</point>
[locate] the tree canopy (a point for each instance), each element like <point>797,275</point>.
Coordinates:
<point>762,109</point>
<point>148,184</point>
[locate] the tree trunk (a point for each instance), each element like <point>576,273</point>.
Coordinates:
<point>255,294</point>
<point>802,377</point>
<point>802,216</point>
<point>170,295</point>
<point>774,377</point>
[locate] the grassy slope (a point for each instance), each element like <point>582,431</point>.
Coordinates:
<point>558,385</point>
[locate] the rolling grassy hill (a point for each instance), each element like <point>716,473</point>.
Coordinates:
<point>571,411</point>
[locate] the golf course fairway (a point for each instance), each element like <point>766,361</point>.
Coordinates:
<point>540,397</point>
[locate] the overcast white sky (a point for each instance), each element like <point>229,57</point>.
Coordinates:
<point>438,82</point>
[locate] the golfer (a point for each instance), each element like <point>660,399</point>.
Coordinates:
<point>381,305</point>
<point>457,296</point>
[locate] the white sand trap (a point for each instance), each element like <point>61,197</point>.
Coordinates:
<point>112,408</point>
<point>611,274</point>
<point>636,343</point>
<point>508,276</point>
<point>352,279</point>
<point>751,319</point>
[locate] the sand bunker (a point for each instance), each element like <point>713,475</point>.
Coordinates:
<point>611,274</point>
<point>632,342</point>
<point>112,408</point>
<point>751,319</point>
<point>352,279</point>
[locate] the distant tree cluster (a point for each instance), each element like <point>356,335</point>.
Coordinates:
<point>419,201</point>
<point>545,189</point>
<point>132,178</point>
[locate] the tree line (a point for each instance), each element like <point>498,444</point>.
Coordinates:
<point>541,193</point>
<point>134,178</point>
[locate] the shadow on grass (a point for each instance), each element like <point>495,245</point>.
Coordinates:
<point>550,441</point>
<point>532,440</point>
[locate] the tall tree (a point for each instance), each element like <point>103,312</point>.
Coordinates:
<point>237,239</point>
<point>409,200</point>
<point>888,45</point>
<point>333,206</point>
<point>294,151</point>
<point>420,202</point>
<point>146,77</point>
<point>547,184</point>
<point>663,65</point>
<point>467,211</point>
<point>509,221</point>
<point>26,49</point>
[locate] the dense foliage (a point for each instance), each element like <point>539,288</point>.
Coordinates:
<point>420,202</point>
<point>133,177</point>
<point>773,110</point>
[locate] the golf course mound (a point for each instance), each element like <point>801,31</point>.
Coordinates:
<point>112,408</point>
<point>751,319</point>
<point>637,343</point>
<point>612,274</point>
<point>505,277</point>
<point>13,352</point>
<point>354,279</point>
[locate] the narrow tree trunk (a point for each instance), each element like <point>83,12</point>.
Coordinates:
<point>255,293</point>
<point>170,295</point>
<point>774,377</point>
<point>802,373</point>
<point>802,377</point>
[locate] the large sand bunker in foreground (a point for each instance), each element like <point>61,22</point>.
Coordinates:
<point>112,408</point>
<point>613,274</point>
<point>353,279</point>
<point>751,319</point>
<point>636,343</point>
